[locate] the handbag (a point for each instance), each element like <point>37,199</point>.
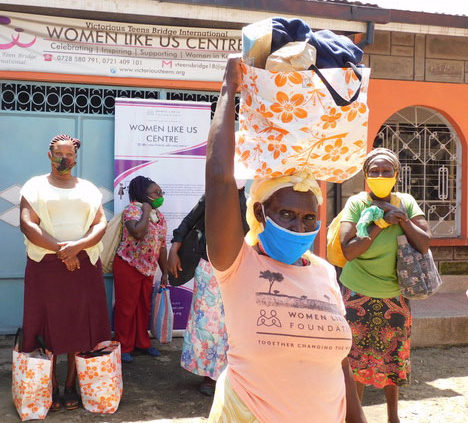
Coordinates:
<point>417,273</point>
<point>31,386</point>
<point>162,316</point>
<point>335,254</point>
<point>100,376</point>
<point>190,253</point>
<point>111,241</point>
<point>314,120</point>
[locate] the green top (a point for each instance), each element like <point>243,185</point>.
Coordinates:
<point>373,273</point>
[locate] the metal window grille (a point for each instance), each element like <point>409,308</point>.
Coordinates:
<point>62,98</point>
<point>429,152</point>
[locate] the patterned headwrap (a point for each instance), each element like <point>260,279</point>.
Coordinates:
<point>382,153</point>
<point>63,137</point>
<point>262,189</point>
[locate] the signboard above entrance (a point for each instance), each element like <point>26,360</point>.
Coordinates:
<point>37,43</point>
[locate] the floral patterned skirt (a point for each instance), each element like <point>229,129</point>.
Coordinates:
<point>381,327</point>
<point>205,339</point>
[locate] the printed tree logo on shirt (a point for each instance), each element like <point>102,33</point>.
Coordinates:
<point>275,298</point>
<point>272,277</point>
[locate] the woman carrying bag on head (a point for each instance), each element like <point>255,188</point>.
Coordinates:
<point>378,314</point>
<point>64,296</point>
<point>142,249</point>
<point>205,339</point>
<point>281,367</point>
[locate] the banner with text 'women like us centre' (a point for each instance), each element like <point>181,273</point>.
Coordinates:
<point>166,141</point>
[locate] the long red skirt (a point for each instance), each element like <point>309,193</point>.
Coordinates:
<point>68,309</point>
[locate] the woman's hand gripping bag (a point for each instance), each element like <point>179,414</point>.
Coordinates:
<point>31,386</point>
<point>314,120</point>
<point>100,377</point>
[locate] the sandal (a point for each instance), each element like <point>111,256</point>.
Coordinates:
<point>208,387</point>
<point>56,402</point>
<point>71,399</point>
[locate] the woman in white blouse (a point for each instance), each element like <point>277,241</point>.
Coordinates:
<point>64,297</point>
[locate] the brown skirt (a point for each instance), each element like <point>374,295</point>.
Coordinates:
<point>68,309</point>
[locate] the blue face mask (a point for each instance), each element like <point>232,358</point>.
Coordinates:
<point>284,245</point>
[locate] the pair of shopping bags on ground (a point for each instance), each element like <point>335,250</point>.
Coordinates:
<point>99,374</point>
<point>99,371</point>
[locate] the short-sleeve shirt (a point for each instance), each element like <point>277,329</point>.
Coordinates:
<point>373,273</point>
<point>287,337</point>
<point>64,213</point>
<point>143,254</point>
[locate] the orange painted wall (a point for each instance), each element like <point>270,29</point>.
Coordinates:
<point>387,97</point>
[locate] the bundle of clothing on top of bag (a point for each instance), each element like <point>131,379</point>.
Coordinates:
<point>280,44</point>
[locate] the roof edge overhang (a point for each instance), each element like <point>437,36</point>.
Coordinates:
<point>352,12</point>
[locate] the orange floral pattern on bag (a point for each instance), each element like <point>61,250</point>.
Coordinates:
<point>288,122</point>
<point>288,108</point>
<point>101,379</point>
<point>31,386</point>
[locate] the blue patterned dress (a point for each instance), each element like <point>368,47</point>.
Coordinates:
<point>205,340</point>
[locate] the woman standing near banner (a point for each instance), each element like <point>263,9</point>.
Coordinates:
<point>205,338</point>
<point>142,249</point>
<point>64,297</point>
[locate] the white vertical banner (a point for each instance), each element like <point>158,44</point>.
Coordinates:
<point>165,141</point>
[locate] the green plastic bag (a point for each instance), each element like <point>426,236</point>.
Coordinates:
<point>368,215</point>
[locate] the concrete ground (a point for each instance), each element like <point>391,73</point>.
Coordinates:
<point>159,390</point>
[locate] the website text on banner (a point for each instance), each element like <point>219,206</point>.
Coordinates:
<point>39,43</point>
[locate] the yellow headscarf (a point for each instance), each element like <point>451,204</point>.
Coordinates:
<point>262,189</point>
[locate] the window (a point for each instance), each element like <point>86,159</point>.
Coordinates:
<point>430,156</point>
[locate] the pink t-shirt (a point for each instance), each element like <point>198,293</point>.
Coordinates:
<point>143,254</point>
<point>287,337</point>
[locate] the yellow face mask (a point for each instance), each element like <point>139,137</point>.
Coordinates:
<point>381,187</point>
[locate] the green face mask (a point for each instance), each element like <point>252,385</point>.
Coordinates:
<point>157,202</point>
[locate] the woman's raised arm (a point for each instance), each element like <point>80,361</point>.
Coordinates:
<point>224,233</point>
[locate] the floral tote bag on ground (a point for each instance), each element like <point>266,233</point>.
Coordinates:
<point>100,377</point>
<point>31,382</point>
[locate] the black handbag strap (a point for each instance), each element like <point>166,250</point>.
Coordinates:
<point>340,101</point>
<point>41,343</point>
<point>18,339</point>
<point>38,338</point>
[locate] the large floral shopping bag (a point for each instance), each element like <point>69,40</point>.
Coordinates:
<point>313,120</point>
<point>100,377</point>
<point>31,382</point>
<point>162,316</point>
